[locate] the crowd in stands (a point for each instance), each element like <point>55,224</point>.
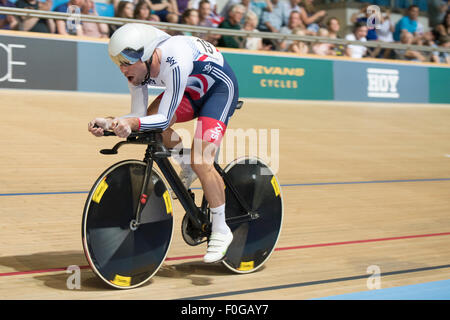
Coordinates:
<point>299,17</point>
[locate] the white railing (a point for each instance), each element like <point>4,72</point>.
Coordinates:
<point>225,32</point>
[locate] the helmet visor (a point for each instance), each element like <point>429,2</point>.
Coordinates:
<point>128,56</point>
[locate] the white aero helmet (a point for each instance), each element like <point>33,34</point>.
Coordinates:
<point>133,42</point>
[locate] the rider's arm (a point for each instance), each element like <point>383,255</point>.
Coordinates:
<point>175,72</point>
<point>139,101</point>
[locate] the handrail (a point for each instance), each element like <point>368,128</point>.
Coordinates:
<point>207,30</point>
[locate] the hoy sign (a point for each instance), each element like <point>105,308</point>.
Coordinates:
<point>7,62</point>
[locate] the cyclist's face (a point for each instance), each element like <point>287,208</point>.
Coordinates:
<point>135,73</point>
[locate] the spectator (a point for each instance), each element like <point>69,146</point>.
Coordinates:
<point>36,24</point>
<point>233,22</point>
<point>93,29</point>
<point>269,45</point>
<point>181,6</point>
<point>410,55</point>
<point>311,18</point>
<point>333,27</point>
<point>294,22</point>
<point>205,14</point>
<point>213,17</point>
<point>385,34</point>
<point>162,8</point>
<point>272,21</point>
<point>292,5</point>
<point>436,11</point>
<point>8,22</point>
<point>299,46</point>
<point>190,17</point>
<point>444,57</point>
<point>407,23</point>
<point>322,48</point>
<point>195,4</point>
<point>250,24</point>
<point>63,26</point>
<point>143,11</point>
<point>363,16</point>
<point>443,29</point>
<point>359,34</point>
<point>206,20</point>
<point>125,9</point>
<point>255,7</point>
<point>428,40</point>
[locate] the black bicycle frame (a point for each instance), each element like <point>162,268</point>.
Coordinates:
<point>156,152</point>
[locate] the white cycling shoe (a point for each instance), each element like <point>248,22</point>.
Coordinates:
<point>217,246</point>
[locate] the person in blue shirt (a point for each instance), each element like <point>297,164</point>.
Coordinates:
<point>64,27</point>
<point>408,23</point>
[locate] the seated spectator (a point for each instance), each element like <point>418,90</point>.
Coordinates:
<point>162,8</point>
<point>408,23</point>
<point>143,11</point>
<point>409,55</point>
<point>93,29</point>
<point>205,19</point>
<point>269,44</point>
<point>443,29</point>
<point>180,6</point>
<point>190,17</point>
<point>437,10</point>
<point>36,24</point>
<point>385,33</point>
<point>195,4</point>
<point>359,34</point>
<point>444,42</point>
<point>250,24</point>
<point>428,40</point>
<point>272,21</point>
<point>299,46</point>
<point>363,16</point>
<point>125,9</point>
<point>8,22</point>
<point>64,26</point>
<point>311,17</point>
<point>205,14</point>
<point>233,22</point>
<point>292,5</point>
<point>322,48</point>
<point>294,22</point>
<point>333,27</point>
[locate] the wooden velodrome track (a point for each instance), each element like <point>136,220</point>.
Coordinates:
<point>363,184</point>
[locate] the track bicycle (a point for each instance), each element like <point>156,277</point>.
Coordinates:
<point>127,223</point>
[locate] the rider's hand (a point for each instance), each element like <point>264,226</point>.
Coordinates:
<point>100,124</point>
<point>121,127</point>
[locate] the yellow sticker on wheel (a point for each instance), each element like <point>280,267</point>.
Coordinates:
<point>166,197</point>
<point>98,194</point>
<point>275,186</point>
<point>122,281</point>
<point>246,265</point>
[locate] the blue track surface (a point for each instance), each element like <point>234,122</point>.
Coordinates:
<point>436,290</point>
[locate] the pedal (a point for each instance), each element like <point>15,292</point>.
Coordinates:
<point>191,236</point>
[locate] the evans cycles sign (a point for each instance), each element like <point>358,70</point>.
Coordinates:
<point>282,77</point>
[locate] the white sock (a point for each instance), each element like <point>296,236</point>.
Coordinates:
<point>218,220</point>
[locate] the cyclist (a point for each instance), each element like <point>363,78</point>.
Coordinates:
<point>199,84</point>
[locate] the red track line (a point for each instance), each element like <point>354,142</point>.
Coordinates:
<point>277,249</point>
